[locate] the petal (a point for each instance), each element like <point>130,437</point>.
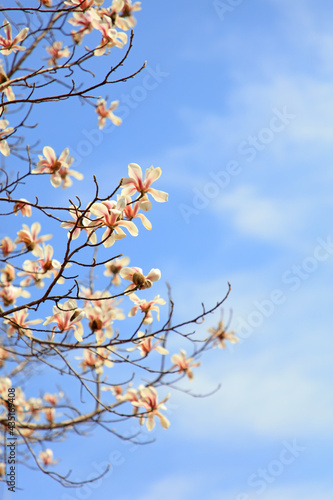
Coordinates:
<point>152,174</point>
<point>134,171</point>
<point>159,196</point>
<point>49,154</point>
<point>130,226</point>
<point>146,223</point>
<point>154,275</point>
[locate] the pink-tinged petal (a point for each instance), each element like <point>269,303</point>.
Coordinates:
<point>130,226</point>
<point>49,154</point>
<point>99,210</point>
<point>159,196</point>
<point>64,155</point>
<point>127,272</point>
<point>110,241</point>
<point>154,275</point>
<point>93,239</point>
<point>152,174</point>
<point>134,171</point>
<point>8,31</point>
<point>130,190</point>
<point>146,223</point>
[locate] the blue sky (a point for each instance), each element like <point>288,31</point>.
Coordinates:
<point>244,98</point>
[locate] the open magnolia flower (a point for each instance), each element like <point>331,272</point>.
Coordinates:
<point>57,167</point>
<point>21,206</point>
<point>18,323</point>
<point>148,400</point>
<point>46,457</point>
<point>56,52</point>
<point>139,281</point>
<point>220,336</point>
<point>30,238</point>
<point>110,36</point>
<point>146,307</point>
<point>146,345</point>
<point>67,318</point>
<point>135,183</point>
<point>9,44</point>
<point>184,364</point>
<point>110,214</point>
<point>131,211</point>
<point>104,113</point>
<point>7,246</point>
<point>81,222</point>
<point>114,267</point>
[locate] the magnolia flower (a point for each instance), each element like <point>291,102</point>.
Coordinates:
<point>7,90</point>
<point>56,52</point>
<point>139,281</point>
<point>146,345</point>
<point>135,183</point>
<point>46,457</point>
<point>5,131</point>
<point>9,44</point>
<point>114,267</point>
<point>83,20</point>
<point>131,212</point>
<point>81,222</point>
<point>146,307</point>
<point>96,360</point>
<point>7,274</point>
<point>83,4</point>
<point>67,318</point>
<point>149,401</point>
<point>47,265</point>
<point>10,293</point>
<point>21,206</point>
<point>109,214</point>
<point>104,113</point>
<point>220,336</point>
<point>110,36</point>
<point>52,398</point>
<point>126,21</point>
<point>30,238</point>
<point>184,364</point>
<point>57,167</point>
<point>32,271</point>
<point>7,246</point>
<point>18,323</point>
<point>100,321</point>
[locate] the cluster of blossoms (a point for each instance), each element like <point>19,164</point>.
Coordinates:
<point>30,410</point>
<point>85,16</point>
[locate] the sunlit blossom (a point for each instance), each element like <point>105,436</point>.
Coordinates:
<point>29,237</point>
<point>21,206</point>
<point>149,402</point>
<point>136,183</point>
<point>9,44</point>
<point>114,267</point>
<point>139,281</point>
<point>67,318</point>
<point>146,345</point>
<point>146,307</point>
<point>56,52</point>
<point>183,363</point>
<point>104,113</point>
<point>109,214</point>
<point>220,336</point>
<point>7,246</point>
<point>17,322</point>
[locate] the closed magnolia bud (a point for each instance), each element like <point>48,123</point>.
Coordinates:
<point>139,280</point>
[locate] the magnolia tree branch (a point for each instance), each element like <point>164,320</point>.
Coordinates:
<point>121,362</point>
